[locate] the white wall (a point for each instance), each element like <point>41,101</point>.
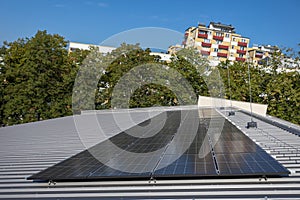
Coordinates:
<point>260,109</point>
<point>102,49</point>
<point>163,56</point>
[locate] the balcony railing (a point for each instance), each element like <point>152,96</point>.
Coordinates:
<point>223,47</point>
<point>215,37</point>
<point>205,52</point>
<point>224,55</point>
<point>240,59</point>
<point>242,44</point>
<point>204,44</point>
<point>258,55</point>
<point>186,34</point>
<point>241,51</point>
<point>202,35</point>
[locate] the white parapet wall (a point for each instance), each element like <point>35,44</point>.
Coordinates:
<point>260,109</point>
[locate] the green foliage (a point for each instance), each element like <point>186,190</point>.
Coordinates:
<point>2,83</point>
<point>122,60</point>
<point>37,80</point>
<point>188,69</point>
<point>37,76</point>
<point>283,96</point>
<point>152,95</point>
<point>134,78</point>
<point>281,91</point>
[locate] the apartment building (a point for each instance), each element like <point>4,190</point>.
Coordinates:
<point>260,53</point>
<point>217,42</point>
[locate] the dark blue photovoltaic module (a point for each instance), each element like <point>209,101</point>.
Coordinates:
<point>232,153</point>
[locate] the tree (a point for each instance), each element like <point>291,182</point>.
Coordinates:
<point>41,80</point>
<point>37,79</point>
<point>120,62</point>
<point>153,95</point>
<point>281,91</point>
<point>2,83</point>
<point>134,78</point>
<point>192,67</point>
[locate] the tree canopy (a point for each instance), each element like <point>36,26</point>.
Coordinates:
<point>36,78</point>
<point>40,80</point>
<point>280,91</point>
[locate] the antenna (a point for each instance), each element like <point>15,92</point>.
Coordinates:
<point>250,124</point>
<point>231,112</point>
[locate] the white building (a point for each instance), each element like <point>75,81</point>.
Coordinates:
<point>75,45</point>
<point>163,56</point>
<point>106,49</point>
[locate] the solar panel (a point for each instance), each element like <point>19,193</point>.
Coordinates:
<point>174,151</point>
<point>237,154</point>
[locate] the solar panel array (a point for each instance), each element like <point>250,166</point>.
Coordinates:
<point>230,154</point>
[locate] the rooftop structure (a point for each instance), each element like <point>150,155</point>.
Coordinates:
<point>27,149</point>
<point>220,27</point>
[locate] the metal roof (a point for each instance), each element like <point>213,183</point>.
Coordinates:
<point>29,148</point>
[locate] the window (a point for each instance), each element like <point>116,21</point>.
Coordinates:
<point>240,55</point>
<point>219,42</point>
<point>243,40</point>
<point>232,46</point>
<point>233,39</point>
<point>74,49</point>
<point>227,35</point>
<point>207,40</point>
<point>242,48</point>
<point>216,50</point>
<point>219,34</point>
<point>231,54</point>
<point>202,32</point>
<point>209,33</point>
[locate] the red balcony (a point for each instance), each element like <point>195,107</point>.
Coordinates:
<point>223,47</point>
<point>241,51</point>
<point>186,34</point>
<point>224,55</point>
<point>202,35</point>
<point>258,55</point>
<point>242,44</point>
<point>205,52</point>
<point>218,37</point>
<point>240,59</point>
<point>204,44</point>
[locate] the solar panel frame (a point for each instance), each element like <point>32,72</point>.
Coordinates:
<point>234,154</point>
<point>247,159</point>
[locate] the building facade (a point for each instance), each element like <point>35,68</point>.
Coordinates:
<point>258,54</point>
<point>75,45</point>
<point>218,42</point>
<point>107,49</point>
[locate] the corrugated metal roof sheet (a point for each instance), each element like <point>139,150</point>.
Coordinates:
<point>29,148</point>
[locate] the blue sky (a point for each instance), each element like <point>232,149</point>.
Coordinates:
<point>275,22</point>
